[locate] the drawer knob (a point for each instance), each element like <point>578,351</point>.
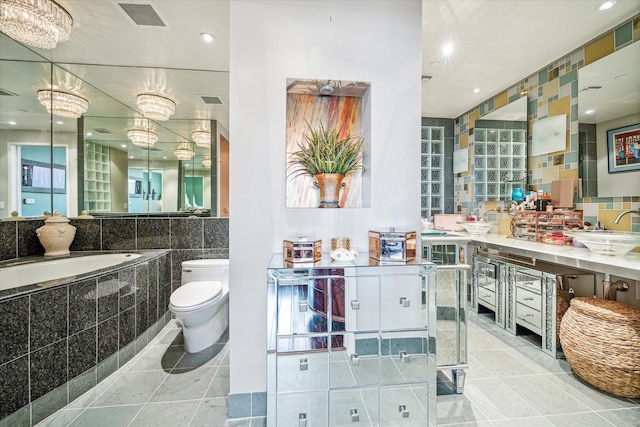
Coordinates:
<point>403,409</point>
<point>486,295</point>
<point>302,419</point>
<point>528,298</point>
<point>405,357</point>
<point>304,364</point>
<point>355,304</point>
<point>404,302</point>
<point>304,305</point>
<point>529,315</point>
<point>355,417</point>
<point>355,360</point>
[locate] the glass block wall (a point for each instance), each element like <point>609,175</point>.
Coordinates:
<point>432,172</point>
<point>499,160</point>
<point>437,179</point>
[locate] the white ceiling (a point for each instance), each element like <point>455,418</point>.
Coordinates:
<point>497,44</point>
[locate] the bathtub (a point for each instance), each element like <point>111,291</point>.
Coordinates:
<point>23,273</point>
<point>89,313</point>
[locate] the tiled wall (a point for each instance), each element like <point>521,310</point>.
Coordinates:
<point>58,343</point>
<point>189,238</point>
<point>56,336</point>
<point>551,91</point>
<point>588,159</point>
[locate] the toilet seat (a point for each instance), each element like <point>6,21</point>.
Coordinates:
<point>194,295</point>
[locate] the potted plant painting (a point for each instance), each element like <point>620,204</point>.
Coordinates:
<point>327,156</point>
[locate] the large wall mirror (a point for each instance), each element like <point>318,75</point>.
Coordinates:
<point>49,162</point>
<point>500,152</point>
<point>608,98</point>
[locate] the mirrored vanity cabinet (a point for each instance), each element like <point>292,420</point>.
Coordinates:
<point>350,343</point>
<point>526,297</point>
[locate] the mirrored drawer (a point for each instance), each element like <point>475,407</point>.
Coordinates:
<point>529,318</point>
<point>527,281</point>
<point>486,270</point>
<point>487,297</point>
<point>528,298</point>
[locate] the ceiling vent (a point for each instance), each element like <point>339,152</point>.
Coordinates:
<point>143,14</point>
<point>102,130</point>
<point>590,88</point>
<point>6,93</point>
<point>213,100</point>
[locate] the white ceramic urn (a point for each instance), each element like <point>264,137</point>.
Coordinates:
<point>56,235</point>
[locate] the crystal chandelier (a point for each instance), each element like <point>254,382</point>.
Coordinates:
<point>142,137</point>
<point>38,23</point>
<point>184,151</point>
<point>63,104</point>
<point>156,107</point>
<point>206,162</point>
<point>202,137</point>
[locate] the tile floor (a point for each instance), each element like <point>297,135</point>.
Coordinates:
<point>162,386</point>
<point>510,382</point>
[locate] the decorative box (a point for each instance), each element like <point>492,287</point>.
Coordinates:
<point>302,250</point>
<point>392,245</point>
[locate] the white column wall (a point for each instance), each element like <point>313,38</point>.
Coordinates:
<point>373,41</point>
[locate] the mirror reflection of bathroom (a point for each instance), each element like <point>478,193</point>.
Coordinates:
<point>500,152</point>
<point>608,98</point>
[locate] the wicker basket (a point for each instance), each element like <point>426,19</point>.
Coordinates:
<point>601,341</point>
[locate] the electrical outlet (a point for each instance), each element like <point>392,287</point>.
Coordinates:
<point>1,205</point>
<point>125,206</point>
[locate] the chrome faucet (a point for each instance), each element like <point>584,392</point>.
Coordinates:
<point>508,209</point>
<point>635,211</point>
<point>487,211</point>
<point>619,285</point>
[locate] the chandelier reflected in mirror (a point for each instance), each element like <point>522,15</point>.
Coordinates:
<point>184,151</point>
<point>202,137</point>
<point>142,137</point>
<point>156,107</point>
<point>63,104</point>
<point>206,161</point>
<point>38,23</point>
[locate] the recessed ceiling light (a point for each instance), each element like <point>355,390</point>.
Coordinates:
<point>88,134</point>
<point>165,157</point>
<point>123,145</point>
<point>447,49</point>
<point>590,111</point>
<point>187,165</point>
<point>606,5</point>
<point>209,38</point>
<point>59,122</point>
<point>476,90</point>
<point>12,123</point>
<point>131,157</point>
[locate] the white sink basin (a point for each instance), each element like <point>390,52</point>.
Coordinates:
<point>605,242</point>
<point>476,228</point>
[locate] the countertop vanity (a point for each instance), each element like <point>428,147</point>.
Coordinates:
<point>528,285</point>
<point>627,266</point>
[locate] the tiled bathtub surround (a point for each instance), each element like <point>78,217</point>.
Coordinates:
<point>59,342</point>
<point>190,238</point>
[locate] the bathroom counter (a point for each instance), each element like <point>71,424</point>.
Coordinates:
<point>627,266</point>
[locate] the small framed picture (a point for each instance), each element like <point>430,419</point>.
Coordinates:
<point>623,148</point>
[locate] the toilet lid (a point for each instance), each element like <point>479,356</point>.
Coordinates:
<point>195,293</point>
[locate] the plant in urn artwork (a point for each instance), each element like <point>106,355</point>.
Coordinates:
<point>328,156</point>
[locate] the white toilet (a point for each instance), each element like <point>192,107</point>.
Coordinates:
<point>201,303</point>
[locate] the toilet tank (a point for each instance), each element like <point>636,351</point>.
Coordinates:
<point>198,270</point>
